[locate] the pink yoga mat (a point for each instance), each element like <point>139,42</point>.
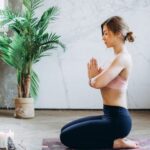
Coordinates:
<point>55,144</point>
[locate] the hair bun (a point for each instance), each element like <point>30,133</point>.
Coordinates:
<point>129,37</point>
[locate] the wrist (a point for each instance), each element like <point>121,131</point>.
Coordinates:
<point>91,81</point>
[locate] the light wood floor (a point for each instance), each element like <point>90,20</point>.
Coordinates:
<point>47,124</point>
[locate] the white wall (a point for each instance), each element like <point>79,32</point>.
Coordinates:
<point>63,76</point>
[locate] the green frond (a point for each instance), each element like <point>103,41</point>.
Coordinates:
<point>52,39</point>
<point>8,15</point>
<point>30,7</point>
<point>34,84</point>
<point>29,42</point>
<point>48,16</point>
<point>18,25</point>
<point>36,4</point>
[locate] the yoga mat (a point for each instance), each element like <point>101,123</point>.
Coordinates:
<point>55,144</point>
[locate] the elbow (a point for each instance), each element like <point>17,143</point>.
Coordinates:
<point>95,84</point>
<point>98,85</point>
<point>92,83</point>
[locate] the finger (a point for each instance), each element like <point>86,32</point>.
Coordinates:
<point>91,61</point>
<point>95,62</point>
<point>91,64</point>
<point>88,66</point>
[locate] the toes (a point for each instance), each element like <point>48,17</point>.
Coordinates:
<point>137,145</point>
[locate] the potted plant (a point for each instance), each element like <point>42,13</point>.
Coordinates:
<point>28,43</point>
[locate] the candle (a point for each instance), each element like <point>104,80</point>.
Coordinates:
<point>3,140</point>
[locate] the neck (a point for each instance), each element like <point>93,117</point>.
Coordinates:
<point>119,48</point>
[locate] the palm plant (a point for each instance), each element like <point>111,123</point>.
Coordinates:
<point>28,43</point>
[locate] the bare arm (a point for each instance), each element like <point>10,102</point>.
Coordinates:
<point>93,69</point>
<point>107,75</point>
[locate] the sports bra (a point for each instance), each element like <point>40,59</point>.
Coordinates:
<point>118,83</point>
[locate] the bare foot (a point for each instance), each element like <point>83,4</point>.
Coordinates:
<point>125,143</point>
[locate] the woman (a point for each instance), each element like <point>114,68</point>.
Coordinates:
<point>110,129</point>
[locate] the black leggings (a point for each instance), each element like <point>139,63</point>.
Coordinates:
<point>97,131</point>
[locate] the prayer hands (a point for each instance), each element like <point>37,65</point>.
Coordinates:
<point>93,69</point>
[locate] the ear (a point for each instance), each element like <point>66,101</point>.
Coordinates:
<point>120,36</point>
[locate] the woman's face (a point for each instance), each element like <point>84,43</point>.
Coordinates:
<point>108,37</point>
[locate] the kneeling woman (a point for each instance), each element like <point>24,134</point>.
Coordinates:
<point>108,130</point>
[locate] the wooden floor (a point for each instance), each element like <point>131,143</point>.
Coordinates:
<point>47,124</point>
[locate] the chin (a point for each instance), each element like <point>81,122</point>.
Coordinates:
<point>108,46</point>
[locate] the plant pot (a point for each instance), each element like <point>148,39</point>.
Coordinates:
<point>24,108</point>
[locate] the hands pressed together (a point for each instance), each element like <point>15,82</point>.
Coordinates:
<point>93,68</point>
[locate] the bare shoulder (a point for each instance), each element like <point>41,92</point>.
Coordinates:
<point>124,58</point>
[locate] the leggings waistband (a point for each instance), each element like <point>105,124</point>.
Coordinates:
<point>115,110</point>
